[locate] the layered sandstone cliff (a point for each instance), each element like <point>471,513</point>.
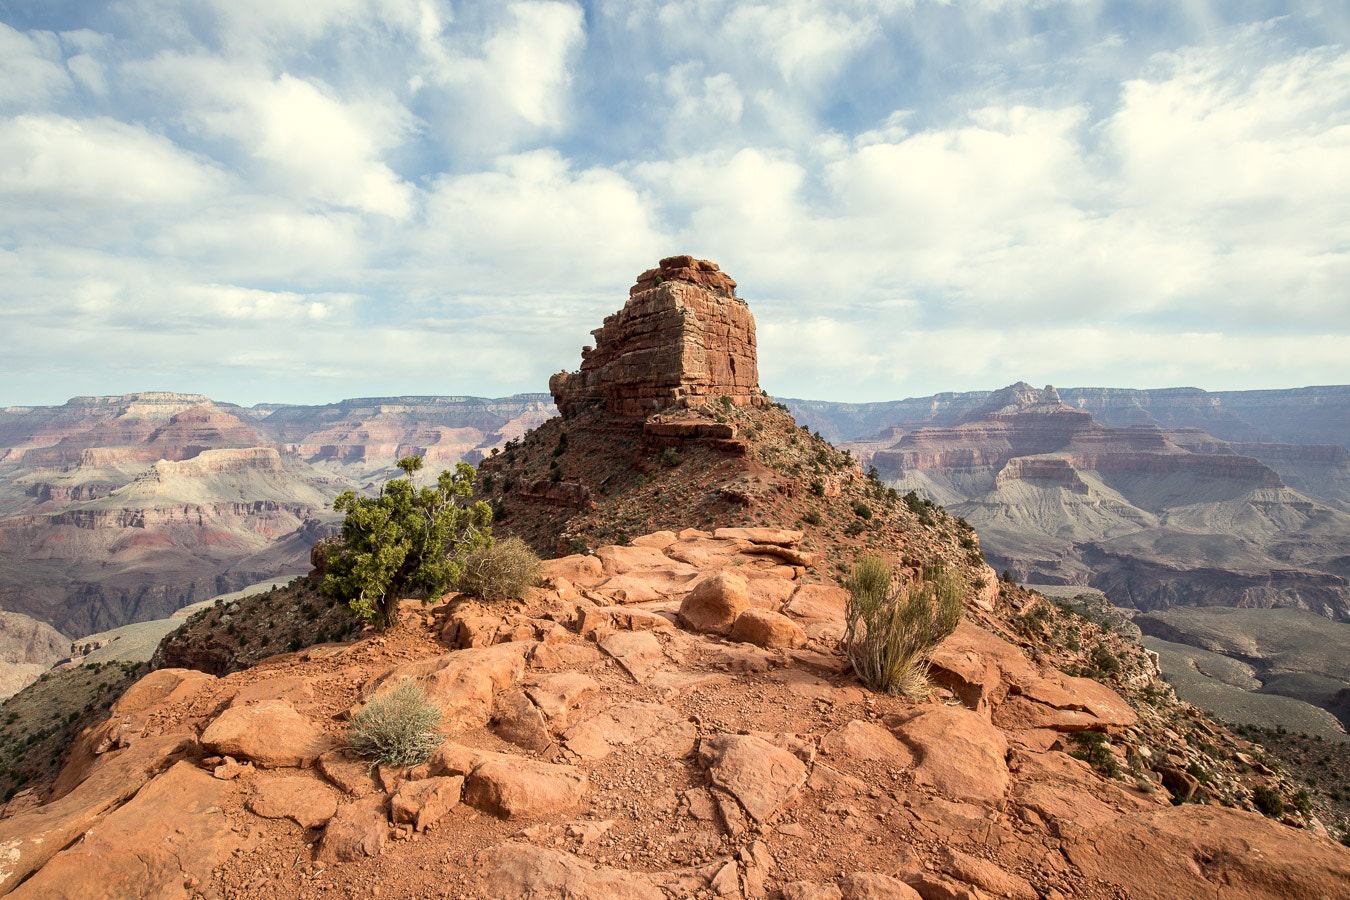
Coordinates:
<point>683,339</point>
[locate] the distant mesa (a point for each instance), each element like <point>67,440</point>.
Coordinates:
<point>682,339</point>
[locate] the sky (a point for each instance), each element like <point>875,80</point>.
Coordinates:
<point>298,202</point>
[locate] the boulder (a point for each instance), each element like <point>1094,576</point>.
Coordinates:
<point>463,683</point>
<point>359,829</point>
<point>768,629</point>
<point>714,603</point>
<point>778,536</point>
<point>875,886</point>
<point>272,735</point>
<point>423,803</point>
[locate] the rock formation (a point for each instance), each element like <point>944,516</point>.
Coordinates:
<point>683,339</point>
<point>1154,518</point>
<point>595,747</point>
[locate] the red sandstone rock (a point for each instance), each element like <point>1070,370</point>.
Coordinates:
<point>875,886</point>
<point>521,788</point>
<point>305,800</point>
<point>463,683</point>
<point>767,628</point>
<point>960,753</point>
<point>758,774</point>
<point>423,803</point>
<point>864,741</point>
<point>1207,851</point>
<point>714,603</point>
<point>679,340</point>
<point>172,834</point>
<point>359,829</point>
<point>271,735</point>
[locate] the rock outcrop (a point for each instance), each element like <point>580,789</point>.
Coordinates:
<point>597,749</point>
<point>683,339</point>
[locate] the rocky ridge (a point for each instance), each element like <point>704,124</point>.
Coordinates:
<point>604,738</point>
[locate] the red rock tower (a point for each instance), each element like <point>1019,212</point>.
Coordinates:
<point>683,339</point>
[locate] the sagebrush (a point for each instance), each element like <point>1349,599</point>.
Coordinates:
<point>398,728</point>
<point>503,570</point>
<point>890,632</point>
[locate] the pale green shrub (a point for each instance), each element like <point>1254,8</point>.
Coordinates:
<point>398,728</point>
<point>890,634</point>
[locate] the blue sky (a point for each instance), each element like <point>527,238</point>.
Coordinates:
<point>291,201</point>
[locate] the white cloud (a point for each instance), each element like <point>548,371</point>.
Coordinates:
<point>545,223</point>
<point>306,140</point>
<point>58,165</point>
<point>31,68</point>
<point>513,85</point>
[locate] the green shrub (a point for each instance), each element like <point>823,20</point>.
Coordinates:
<point>812,517</point>
<point>503,570</point>
<point>817,487</point>
<point>890,634</point>
<point>854,529</point>
<point>1104,660</point>
<point>862,510</point>
<point>1267,801</point>
<point>1092,748</point>
<point>398,728</point>
<point>670,457</point>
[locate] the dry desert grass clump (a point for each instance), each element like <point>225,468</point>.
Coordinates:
<point>890,633</point>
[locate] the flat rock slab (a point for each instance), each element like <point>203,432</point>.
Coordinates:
<point>517,788</point>
<point>1064,703</point>
<point>359,829</point>
<point>350,774</point>
<point>524,870</point>
<point>304,800</point>
<point>172,833</point>
<point>759,775</point>
<point>29,839</point>
<point>778,536</point>
<point>864,741</point>
<point>622,618</point>
<point>272,735</point>
<point>1210,851</point>
<point>662,731</point>
<point>160,686</point>
<point>959,753</point>
<point>638,652</point>
<point>557,695</point>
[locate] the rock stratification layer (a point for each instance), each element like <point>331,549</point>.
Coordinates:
<point>682,339</point>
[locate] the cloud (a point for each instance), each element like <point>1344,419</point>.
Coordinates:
<point>303,138</point>
<point>98,165</point>
<point>32,71</point>
<point>508,84</point>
